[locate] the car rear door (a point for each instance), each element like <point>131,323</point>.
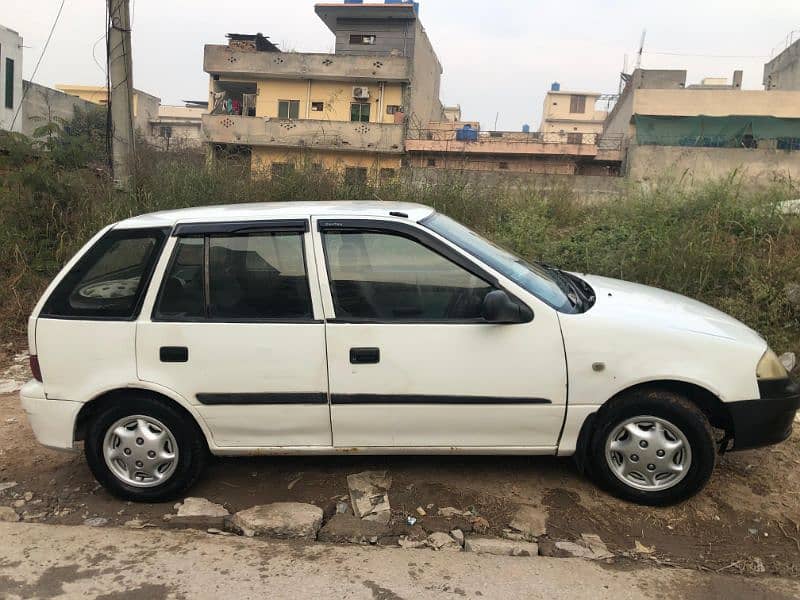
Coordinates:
<point>410,361</point>
<point>235,327</point>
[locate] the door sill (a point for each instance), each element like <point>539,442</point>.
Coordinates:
<point>377,450</point>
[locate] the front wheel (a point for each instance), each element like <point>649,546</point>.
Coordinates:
<point>144,449</point>
<point>652,447</point>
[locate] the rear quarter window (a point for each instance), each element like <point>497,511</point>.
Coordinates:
<point>109,281</point>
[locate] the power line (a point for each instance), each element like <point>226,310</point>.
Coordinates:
<point>38,62</point>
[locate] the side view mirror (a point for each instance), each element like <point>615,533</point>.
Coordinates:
<point>498,307</point>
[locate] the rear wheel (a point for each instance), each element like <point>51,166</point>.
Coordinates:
<point>144,449</point>
<point>652,447</point>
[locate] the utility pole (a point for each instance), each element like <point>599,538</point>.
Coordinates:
<point>120,81</point>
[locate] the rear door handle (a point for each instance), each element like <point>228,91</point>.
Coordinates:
<point>173,354</point>
<point>365,356</point>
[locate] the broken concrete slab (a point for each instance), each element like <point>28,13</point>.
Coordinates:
<point>500,547</point>
<point>347,528</point>
<point>369,495</point>
<point>280,519</point>
<point>198,513</point>
<point>442,541</point>
<point>8,515</point>
<point>530,520</point>
<point>589,546</point>
<point>458,536</point>
<point>449,512</point>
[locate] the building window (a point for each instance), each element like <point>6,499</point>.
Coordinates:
<point>288,109</point>
<point>355,176</point>
<point>577,104</point>
<point>503,165</point>
<point>431,162</point>
<point>281,169</point>
<point>359,39</point>
<point>359,112</point>
<point>393,108</point>
<point>165,132</point>
<point>574,138</point>
<point>317,106</point>
<point>9,83</point>
<point>387,174</point>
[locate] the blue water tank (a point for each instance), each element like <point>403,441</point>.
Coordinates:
<point>555,87</point>
<point>354,1</point>
<point>416,4</point>
<point>466,134</point>
<point>526,128</point>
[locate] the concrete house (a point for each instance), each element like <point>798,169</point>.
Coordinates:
<point>783,71</point>
<point>178,127</point>
<point>10,79</point>
<point>706,130</point>
<point>571,117</point>
<point>348,111</point>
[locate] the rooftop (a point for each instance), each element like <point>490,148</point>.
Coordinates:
<point>257,211</point>
<point>329,12</point>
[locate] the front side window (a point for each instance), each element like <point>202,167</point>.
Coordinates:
<point>577,104</point>
<point>236,277</point>
<point>387,277</point>
<point>9,83</point>
<point>109,281</point>
<point>288,109</point>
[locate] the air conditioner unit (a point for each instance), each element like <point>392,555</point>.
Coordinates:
<point>361,93</point>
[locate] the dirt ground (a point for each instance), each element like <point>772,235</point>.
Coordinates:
<point>747,521</point>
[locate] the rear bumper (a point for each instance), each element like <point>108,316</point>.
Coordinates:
<point>767,420</point>
<point>52,421</point>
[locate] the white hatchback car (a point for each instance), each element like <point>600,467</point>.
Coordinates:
<point>318,328</point>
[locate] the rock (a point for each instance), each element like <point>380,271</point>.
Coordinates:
<point>342,508</point>
<point>479,524</point>
<point>640,548</point>
<point>530,520</point>
<point>792,293</point>
<point>449,512</point>
<point>28,496</point>
<point>590,546</point>
<point>200,507</point>
<point>137,524</point>
<point>96,522</point>
<point>280,519</point>
<point>7,485</point>
<point>500,547</point>
<point>346,527</point>
<point>442,541</point>
<point>19,503</point>
<point>369,495</point>
<point>408,544</point>
<point>458,536</point>
<point>421,511</point>
<point>8,515</point>
<point>788,360</point>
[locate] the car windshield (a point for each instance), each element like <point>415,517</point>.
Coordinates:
<point>532,277</point>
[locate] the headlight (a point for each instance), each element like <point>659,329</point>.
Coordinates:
<point>769,367</point>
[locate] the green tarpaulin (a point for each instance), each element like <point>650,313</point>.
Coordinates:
<point>719,132</point>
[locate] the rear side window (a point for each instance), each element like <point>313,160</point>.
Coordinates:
<point>109,281</point>
<point>253,277</point>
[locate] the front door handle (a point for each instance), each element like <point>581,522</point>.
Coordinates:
<point>365,356</point>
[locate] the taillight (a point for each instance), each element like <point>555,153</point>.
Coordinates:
<point>35,368</point>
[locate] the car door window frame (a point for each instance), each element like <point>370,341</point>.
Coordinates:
<point>415,234</point>
<point>206,231</point>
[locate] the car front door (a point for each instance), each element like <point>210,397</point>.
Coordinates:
<point>411,362</point>
<point>236,328</point>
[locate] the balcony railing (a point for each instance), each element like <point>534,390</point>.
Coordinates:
<point>304,65</point>
<point>303,133</point>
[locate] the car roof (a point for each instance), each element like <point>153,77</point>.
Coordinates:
<point>257,211</point>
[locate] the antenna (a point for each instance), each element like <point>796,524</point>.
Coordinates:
<point>641,49</point>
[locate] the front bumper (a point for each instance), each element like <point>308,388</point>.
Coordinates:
<point>767,420</point>
<point>52,421</point>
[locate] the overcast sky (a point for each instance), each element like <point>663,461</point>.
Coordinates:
<point>499,56</point>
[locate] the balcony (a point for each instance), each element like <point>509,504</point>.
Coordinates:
<point>231,62</point>
<point>303,133</point>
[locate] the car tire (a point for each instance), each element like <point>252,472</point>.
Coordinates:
<point>651,447</point>
<point>140,430</point>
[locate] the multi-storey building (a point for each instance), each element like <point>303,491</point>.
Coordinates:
<point>348,111</point>
<point>10,79</point>
<point>571,117</point>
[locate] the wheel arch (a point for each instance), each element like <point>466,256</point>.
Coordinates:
<point>96,404</point>
<point>708,402</point>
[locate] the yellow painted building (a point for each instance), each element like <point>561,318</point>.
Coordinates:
<point>348,111</point>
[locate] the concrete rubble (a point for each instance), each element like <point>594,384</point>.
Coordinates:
<point>199,513</point>
<point>589,546</point>
<point>369,495</point>
<point>530,520</point>
<point>500,547</point>
<point>280,519</point>
<point>442,541</point>
<point>8,515</point>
